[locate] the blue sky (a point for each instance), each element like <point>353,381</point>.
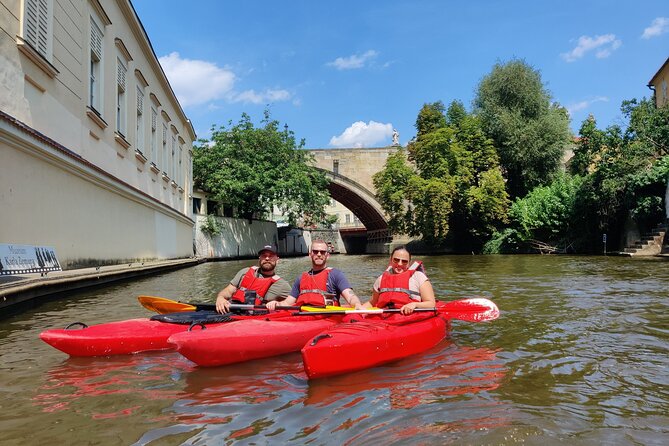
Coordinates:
<point>345,73</point>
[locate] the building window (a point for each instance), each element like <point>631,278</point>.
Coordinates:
<point>335,166</point>
<point>154,136</point>
<point>197,203</point>
<point>180,172</point>
<point>121,97</point>
<point>37,25</point>
<point>95,96</point>
<point>212,207</point>
<point>163,154</point>
<point>139,145</point>
<point>348,218</point>
<point>173,152</point>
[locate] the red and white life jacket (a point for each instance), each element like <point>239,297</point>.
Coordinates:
<point>313,289</point>
<point>250,282</point>
<point>394,288</point>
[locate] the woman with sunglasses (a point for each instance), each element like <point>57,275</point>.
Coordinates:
<point>402,285</point>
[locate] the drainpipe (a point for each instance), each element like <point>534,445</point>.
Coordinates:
<point>652,88</point>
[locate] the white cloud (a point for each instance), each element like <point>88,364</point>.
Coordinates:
<point>196,81</point>
<point>360,134</point>
<point>659,26</point>
<point>603,45</point>
<point>353,62</point>
<point>263,97</point>
<point>582,105</point>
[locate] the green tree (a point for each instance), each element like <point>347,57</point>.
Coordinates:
<point>256,168</point>
<point>430,117</point>
<point>626,172</point>
<point>547,215</point>
<point>391,185</point>
<point>528,130</point>
<point>456,188</point>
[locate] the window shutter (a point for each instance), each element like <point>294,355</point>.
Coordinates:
<point>36,26</point>
<point>154,118</point>
<point>140,101</point>
<point>96,40</point>
<point>164,134</point>
<point>42,27</point>
<point>120,79</point>
<point>30,18</point>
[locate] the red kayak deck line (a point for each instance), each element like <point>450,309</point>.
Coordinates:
<point>348,347</point>
<point>254,339</point>
<point>125,337</point>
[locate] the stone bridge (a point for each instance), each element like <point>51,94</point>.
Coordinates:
<point>350,174</point>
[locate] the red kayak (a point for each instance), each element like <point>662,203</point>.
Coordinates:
<point>232,343</point>
<point>125,337</point>
<point>373,341</point>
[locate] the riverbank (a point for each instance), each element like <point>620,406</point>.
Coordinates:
<point>26,290</point>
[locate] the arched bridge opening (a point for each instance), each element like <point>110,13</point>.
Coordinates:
<point>375,236</point>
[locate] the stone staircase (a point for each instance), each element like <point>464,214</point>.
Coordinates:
<point>651,244</point>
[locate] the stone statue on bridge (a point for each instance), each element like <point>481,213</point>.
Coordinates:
<point>396,138</point>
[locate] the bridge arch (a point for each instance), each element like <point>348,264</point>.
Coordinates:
<point>349,173</point>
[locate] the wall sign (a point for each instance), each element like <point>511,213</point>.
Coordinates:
<point>24,259</point>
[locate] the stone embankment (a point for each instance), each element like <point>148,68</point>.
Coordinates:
<point>21,291</point>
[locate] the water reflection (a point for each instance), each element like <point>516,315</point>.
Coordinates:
<point>578,356</point>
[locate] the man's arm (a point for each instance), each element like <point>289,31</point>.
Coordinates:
<point>288,301</point>
<point>352,299</point>
<point>375,294</point>
<point>223,298</point>
<point>278,291</point>
<point>343,287</point>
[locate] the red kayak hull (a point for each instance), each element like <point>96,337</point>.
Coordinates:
<point>123,337</point>
<point>371,342</point>
<point>255,339</point>
<point>114,338</point>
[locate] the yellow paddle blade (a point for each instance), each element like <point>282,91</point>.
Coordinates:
<point>331,308</point>
<point>163,306</point>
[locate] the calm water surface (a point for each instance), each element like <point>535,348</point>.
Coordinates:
<point>579,355</point>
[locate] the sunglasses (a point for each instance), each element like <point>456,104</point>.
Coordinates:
<point>319,251</point>
<point>400,261</point>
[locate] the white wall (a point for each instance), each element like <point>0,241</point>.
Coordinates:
<point>238,237</point>
<point>88,219</point>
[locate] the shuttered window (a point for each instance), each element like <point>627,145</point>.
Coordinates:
<point>95,70</point>
<point>140,120</point>
<point>120,97</point>
<point>37,25</point>
<point>154,136</point>
<point>121,72</point>
<point>96,40</point>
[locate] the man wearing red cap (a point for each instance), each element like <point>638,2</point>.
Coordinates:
<point>255,285</point>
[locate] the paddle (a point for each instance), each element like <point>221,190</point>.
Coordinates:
<point>162,305</point>
<point>476,309</point>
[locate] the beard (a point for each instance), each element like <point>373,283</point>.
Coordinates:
<point>267,266</point>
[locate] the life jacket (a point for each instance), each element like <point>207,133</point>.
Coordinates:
<point>252,289</point>
<point>394,289</point>
<point>313,289</point>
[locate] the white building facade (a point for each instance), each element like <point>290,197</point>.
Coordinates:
<point>95,149</point>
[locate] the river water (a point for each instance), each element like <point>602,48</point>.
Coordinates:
<point>579,355</point>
